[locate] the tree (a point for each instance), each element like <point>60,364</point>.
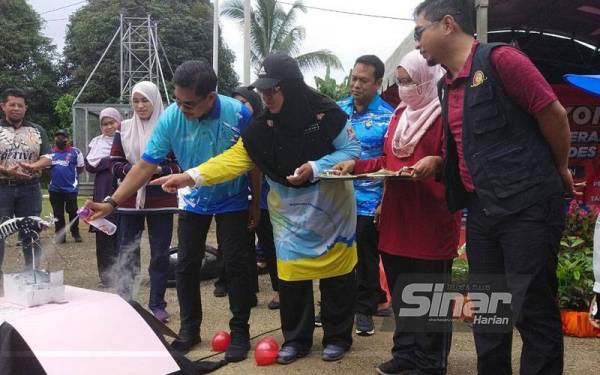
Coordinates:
<point>329,86</point>
<point>27,59</point>
<point>272,30</point>
<point>62,111</point>
<point>184,30</point>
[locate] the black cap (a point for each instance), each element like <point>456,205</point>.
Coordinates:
<point>61,132</point>
<point>277,67</point>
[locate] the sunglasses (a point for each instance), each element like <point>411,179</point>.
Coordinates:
<point>419,30</point>
<point>187,105</point>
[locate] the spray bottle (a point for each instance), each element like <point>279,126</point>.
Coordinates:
<point>100,224</point>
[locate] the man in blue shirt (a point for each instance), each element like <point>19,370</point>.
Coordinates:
<point>370,116</point>
<point>67,164</point>
<point>200,125</point>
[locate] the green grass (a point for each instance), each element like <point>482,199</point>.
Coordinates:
<point>47,208</point>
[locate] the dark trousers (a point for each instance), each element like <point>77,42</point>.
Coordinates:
<point>62,202</point>
<point>264,232</point>
<point>160,232</point>
<point>369,292</point>
<point>523,247</point>
<point>234,243</point>
<point>107,251</point>
<point>337,311</point>
<point>21,201</point>
<point>423,346</point>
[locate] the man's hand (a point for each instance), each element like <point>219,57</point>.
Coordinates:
<point>345,167</point>
<point>99,210</point>
<point>17,172</point>
<point>427,167</point>
<point>377,216</point>
<point>29,167</point>
<point>593,306</point>
<point>301,175</point>
<point>171,183</point>
<point>567,178</point>
<point>253,216</point>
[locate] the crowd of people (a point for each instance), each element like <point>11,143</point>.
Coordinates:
<point>479,130</point>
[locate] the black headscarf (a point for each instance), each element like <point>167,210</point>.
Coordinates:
<point>248,93</point>
<point>280,143</point>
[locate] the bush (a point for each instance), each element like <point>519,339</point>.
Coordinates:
<point>575,265</point>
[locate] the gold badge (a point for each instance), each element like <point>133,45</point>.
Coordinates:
<point>478,78</point>
<point>368,124</point>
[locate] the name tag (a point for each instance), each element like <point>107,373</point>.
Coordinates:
<point>312,129</point>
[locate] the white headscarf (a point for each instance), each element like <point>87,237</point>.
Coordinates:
<point>136,132</point>
<point>100,146</point>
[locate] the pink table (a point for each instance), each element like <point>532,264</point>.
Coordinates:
<point>93,333</point>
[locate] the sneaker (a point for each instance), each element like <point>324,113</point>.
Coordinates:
<point>238,349</point>
<point>161,314</point>
<point>78,238</point>
<point>220,290</point>
<point>318,322</point>
<point>185,343</point>
<point>394,367</point>
<point>333,353</point>
<point>364,325</point>
<point>274,305</point>
<point>289,353</point>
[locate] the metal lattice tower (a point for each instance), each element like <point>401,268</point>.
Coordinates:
<point>139,54</point>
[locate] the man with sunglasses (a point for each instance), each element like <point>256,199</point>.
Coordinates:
<point>369,115</point>
<point>507,141</point>
<point>200,125</point>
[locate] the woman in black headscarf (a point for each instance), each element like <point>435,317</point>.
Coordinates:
<point>301,134</point>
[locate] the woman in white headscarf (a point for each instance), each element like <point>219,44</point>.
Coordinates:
<point>98,163</point>
<point>150,204</point>
<point>418,236</point>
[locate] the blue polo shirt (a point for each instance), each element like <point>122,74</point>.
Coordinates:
<point>195,141</point>
<point>370,128</point>
<point>63,173</point>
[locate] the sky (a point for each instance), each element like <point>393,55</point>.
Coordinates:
<point>347,36</point>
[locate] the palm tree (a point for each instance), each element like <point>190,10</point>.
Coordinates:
<point>272,30</point>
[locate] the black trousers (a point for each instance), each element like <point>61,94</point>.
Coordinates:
<point>423,346</point>
<point>61,202</point>
<point>107,251</point>
<point>523,247</point>
<point>234,242</point>
<point>369,292</point>
<point>264,232</point>
<point>337,311</point>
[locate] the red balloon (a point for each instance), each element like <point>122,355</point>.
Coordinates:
<point>220,341</point>
<point>266,351</point>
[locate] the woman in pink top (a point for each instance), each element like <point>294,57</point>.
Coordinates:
<point>418,236</point>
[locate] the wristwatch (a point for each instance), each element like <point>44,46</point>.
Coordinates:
<point>110,201</point>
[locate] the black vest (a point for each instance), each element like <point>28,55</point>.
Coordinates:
<point>509,160</point>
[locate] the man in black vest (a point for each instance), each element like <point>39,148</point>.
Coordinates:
<point>507,141</point>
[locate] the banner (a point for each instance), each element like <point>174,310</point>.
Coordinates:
<point>583,111</point>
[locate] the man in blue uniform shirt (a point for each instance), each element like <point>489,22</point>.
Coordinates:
<point>370,116</point>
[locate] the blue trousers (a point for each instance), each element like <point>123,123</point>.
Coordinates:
<point>20,201</point>
<point>160,232</point>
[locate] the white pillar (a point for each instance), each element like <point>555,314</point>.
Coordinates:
<point>247,9</point>
<point>481,11</point>
<point>216,37</point>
